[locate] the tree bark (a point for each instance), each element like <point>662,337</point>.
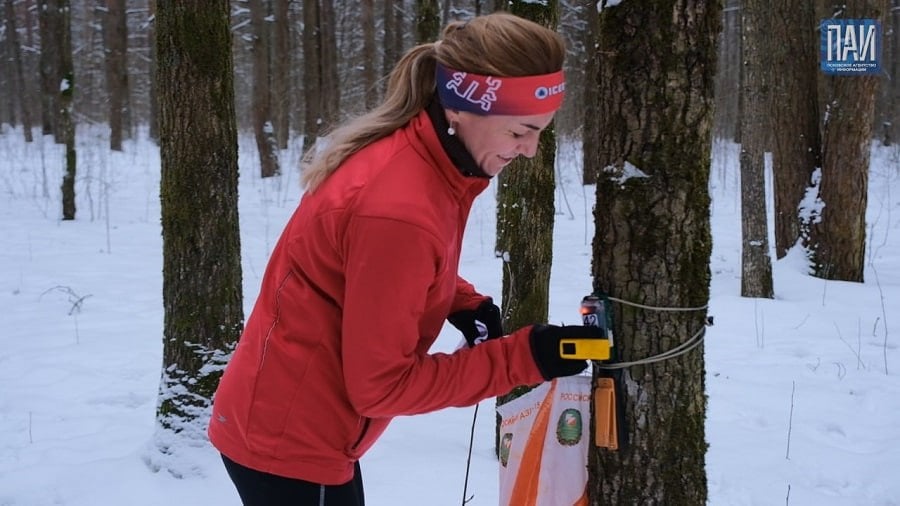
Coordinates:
<point>795,113</point>
<point>263,129</point>
<point>115,31</point>
<point>66,93</point>
<point>199,196</point>
<point>428,21</point>
<point>591,130</point>
<point>891,122</point>
<point>17,77</point>
<point>728,73</point>
<point>321,84</point>
<point>312,91</point>
<point>652,241</point>
<point>50,30</point>
<point>369,60</point>
<point>281,65</point>
<point>153,128</point>
<point>390,53</point>
<point>837,237</point>
<point>331,83</point>
<point>756,266</point>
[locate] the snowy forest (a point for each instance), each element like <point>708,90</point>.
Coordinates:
<point>678,117</point>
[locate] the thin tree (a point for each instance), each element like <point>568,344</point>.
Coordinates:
<point>153,128</point>
<point>756,266</point>
<point>66,94</point>
<point>728,71</point>
<point>428,21</point>
<point>115,35</point>
<point>201,243</point>
<point>263,129</point>
<point>321,92</point>
<point>281,66</point>
<point>652,241</point>
<point>331,83</point>
<point>891,119</point>
<point>591,124</point>
<point>50,31</point>
<point>17,79</point>
<point>390,53</point>
<point>312,90</point>
<point>369,60</point>
<point>837,238</point>
<point>793,73</point>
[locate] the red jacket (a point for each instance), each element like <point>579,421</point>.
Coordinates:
<point>355,293</point>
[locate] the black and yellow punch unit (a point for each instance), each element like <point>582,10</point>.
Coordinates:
<point>608,410</point>
<point>593,313</point>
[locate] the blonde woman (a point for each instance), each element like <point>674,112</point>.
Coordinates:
<point>365,272</point>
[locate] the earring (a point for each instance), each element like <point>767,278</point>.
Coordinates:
<point>451,130</point>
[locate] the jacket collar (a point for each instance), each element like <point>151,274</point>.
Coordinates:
<point>443,158</point>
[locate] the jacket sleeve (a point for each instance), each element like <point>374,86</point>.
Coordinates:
<point>466,296</point>
<point>390,269</point>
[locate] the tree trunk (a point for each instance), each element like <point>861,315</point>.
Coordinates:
<point>330,80</point>
<point>591,130</point>
<point>728,73</point>
<point>50,31</point>
<point>115,31</point>
<point>428,21</point>
<point>390,54</point>
<point>369,60</point>
<point>312,92</point>
<point>756,266</point>
<point>652,241</point>
<point>66,93</point>
<point>153,129</point>
<point>795,113</point>
<point>321,84</point>
<point>525,218</point>
<point>837,238</point>
<point>401,25</point>
<point>891,126</point>
<point>199,196</point>
<point>281,66</point>
<point>17,75</point>
<point>266,143</point>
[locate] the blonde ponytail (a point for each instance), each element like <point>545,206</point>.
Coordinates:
<point>410,88</point>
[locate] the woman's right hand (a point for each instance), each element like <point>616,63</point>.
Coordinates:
<point>546,351</point>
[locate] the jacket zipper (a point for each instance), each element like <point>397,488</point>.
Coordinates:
<point>363,434</point>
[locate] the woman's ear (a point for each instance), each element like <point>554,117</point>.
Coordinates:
<point>452,116</point>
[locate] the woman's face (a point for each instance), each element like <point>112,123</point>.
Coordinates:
<point>495,141</point>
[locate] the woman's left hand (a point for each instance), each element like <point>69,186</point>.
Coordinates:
<point>479,324</point>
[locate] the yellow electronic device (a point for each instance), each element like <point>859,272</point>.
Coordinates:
<point>587,349</point>
<point>594,314</point>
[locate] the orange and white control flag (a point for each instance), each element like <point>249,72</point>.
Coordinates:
<point>544,445</point>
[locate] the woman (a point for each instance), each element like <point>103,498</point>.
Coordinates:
<point>365,273</point>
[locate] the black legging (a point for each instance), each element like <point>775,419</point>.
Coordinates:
<point>257,488</point>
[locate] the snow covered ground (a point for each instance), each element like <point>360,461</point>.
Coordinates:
<point>804,390</point>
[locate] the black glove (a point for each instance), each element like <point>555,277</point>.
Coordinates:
<point>479,324</point>
<point>545,348</point>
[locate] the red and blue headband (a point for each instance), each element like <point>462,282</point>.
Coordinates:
<point>508,96</point>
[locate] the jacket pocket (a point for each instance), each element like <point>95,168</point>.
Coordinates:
<point>371,430</point>
<point>362,434</point>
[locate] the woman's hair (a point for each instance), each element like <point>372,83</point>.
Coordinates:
<point>498,44</point>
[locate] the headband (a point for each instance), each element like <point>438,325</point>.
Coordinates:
<point>510,96</point>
